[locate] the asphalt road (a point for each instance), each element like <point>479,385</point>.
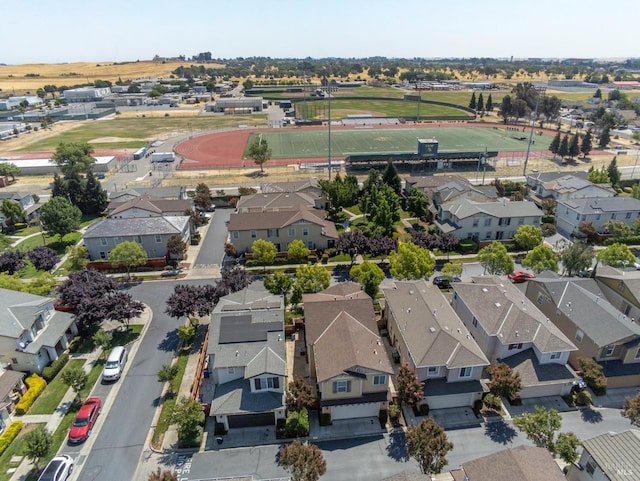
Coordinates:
<point>212,249</point>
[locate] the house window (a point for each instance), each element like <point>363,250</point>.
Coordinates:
<point>591,467</point>
<point>254,234</point>
<point>488,235</point>
<point>341,386</point>
<point>117,240</point>
<point>305,231</point>
<point>14,360</point>
<point>433,371</point>
<point>555,355</point>
<point>103,255</point>
<point>609,351</point>
<point>379,380</point>
<point>465,371</point>
<point>505,221</point>
<point>272,233</point>
<point>310,245</point>
<point>638,353</point>
<point>579,335</point>
<point>236,235</point>
<point>158,239</point>
<point>613,216</point>
<point>515,346</point>
<point>584,217</point>
<point>487,222</point>
<point>266,383</point>
<point>520,220</point>
<point>104,241</point>
<point>474,322</point>
<point>598,216</point>
<point>540,298</point>
<point>292,231</point>
<point>475,222</point>
<point>628,216</point>
<point>138,239</point>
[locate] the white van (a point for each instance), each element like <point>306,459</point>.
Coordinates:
<point>115,364</point>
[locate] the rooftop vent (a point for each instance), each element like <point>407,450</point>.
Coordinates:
<point>484,289</point>
<point>498,304</point>
<point>432,329</point>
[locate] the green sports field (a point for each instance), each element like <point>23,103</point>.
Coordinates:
<point>290,144</point>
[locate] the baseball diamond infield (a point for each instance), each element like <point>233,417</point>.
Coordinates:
<point>310,144</point>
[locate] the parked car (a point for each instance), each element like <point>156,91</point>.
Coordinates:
<point>84,421</point>
<point>519,276</point>
<point>58,469</point>
<point>115,364</point>
<point>445,282</point>
<point>59,306</point>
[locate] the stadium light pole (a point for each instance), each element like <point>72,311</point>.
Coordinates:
<point>540,91</point>
<point>329,124</point>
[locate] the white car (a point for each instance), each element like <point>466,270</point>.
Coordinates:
<point>58,469</point>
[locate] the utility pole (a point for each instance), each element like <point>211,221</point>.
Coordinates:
<point>329,157</point>
<point>540,91</point>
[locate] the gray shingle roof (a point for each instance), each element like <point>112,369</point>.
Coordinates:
<point>542,177</point>
<point>275,201</point>
<point>146,202</point>
<point>524,463</point>
<point>432,331</point>
<point>617,454</point>
<point>602,204</point>
<point>266,362</point>
<point>467,208</point>
<point>137,226</point>
<point>18,310</point>
<point>293,186</point>
<point>532,373</point>
<point>235,397</point>
<point>242,221</point>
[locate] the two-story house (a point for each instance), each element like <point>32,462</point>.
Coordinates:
<point>570,213</point>
<point>621,288</point>
<point>486,221</point>
<point>246,354</point>
<point>152,233</point>
<point>12,388</point>
<point>32,333</point>
<point>346,356</point>
<point>282,227</point>
<point>276,201</point>
<point>176,193</point>
<point>148,206</point>
<point>27,204</point>
<point>600,331</point>
<point>562,186</point>
<point>608,457</point>
<point>508,328</point>
<point>431,338</point>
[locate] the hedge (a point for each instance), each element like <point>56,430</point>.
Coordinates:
<point>631,240</point>
<point>36,385</point>
<point>9,435</point>
<point>468,245</point>
<point>52,370</point>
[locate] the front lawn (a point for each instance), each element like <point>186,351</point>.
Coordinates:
<point>50,398</point>
<point>14,449</point>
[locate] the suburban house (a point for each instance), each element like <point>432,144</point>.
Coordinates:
<point>508,328</point>
<point>486,221</point>
<point>567,187</point>
<point>150,232</point>
<point>570,213</point>
<point>608,457</point>
<point>148,206</point>
<point>12,388</point>
<point>622,289</point>
<point>428,183</point>
<point>246,358</point>
<point>309,186</point>
<point>32,333</point>
<point>346,356</point>
<point>600,331</point>
<point>431,338</point>
<point>279,201</point>
<point>27,203</point>
<point>523,463</point>
<point>281,227</point>
<point>175,193</point>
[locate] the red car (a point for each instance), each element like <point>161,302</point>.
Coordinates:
<point>59,306</point>
<point>519,276</point>
<point>85,420</point>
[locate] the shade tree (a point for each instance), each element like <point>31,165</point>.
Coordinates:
<point>303,461</point>
<point>369,276</point>
<point>541,258</point>
<point>410,261</point>
<point>128,254</point>
<point>43,258</point>
<point>428,444</point>
<point>60,217</point>
<point>495,260</point>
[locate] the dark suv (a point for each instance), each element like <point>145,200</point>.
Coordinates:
<point>445,282</point>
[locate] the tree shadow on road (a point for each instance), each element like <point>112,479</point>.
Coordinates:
<point>590,415</point>
<point>500,432</point>
<point>397,448</point>
<point>170,342</point>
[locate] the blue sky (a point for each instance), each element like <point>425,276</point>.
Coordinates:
<point>48,31</point>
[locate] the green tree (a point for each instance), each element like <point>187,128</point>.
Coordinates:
<point>12,212</point>
<point>505,382</point>
<point>618,229</point>
<point>391,178</point>
<point>312,278</point>
<point>597,94</point>
<point>300,395</point>
<point>541,258</point>
<point>128,254</point>
<point>102,339</point>
<point>417,203</point>
<point>342,192</point>
<point>167,373</point>
<point>188,417</point>
<point>616,255</point>
<point>452,269</point>
<point>567,447</point>
<point>428,444</point>
<point>614,173</point>
<point>540,426</point>
<point>264,252</point>
<point>78,257</point>
<point>297,252</point>
<point>527,237</point>
<point>600,176</point>
<point>410,389</point>
<point>369,276</point>
<point>554,147</point>
<point>37,443</point>
<point>176,247</point>
<point>574,146</point>
<point>563,150</point>
<point>279,284</point>
<point>304,462</point>
<point>472,102</point>
<point>260,152</point>
<point>93,198</point>
<point>587,144</point>
<point>7,168</point>
<point>489,106</point>
<point>60,217</point>
<point>631,409</point>
<point>73,158</point>
<point>382,205</point>
<point>75,378</point>
<point>549,206</point>
<point>495,260</point>
<point>410,261</point>
<point>480,106</point>
<point>605,137</point>
<point>577,257</point>
<point>203,198</point>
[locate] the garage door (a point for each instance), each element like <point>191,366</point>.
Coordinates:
<point>248,420</point>
<point>351,411</point>
<point>452,401</point>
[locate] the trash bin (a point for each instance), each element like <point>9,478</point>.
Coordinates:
<point>206,373</point>
<point>219,439</point>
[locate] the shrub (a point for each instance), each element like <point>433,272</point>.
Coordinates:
<point>9,435</point>
<point>423,409</point>
<point>325,419</point>
<point>20,225</point>
<point>548,219</point>
<point>382,417</point>
<point>592,375</point>
<point>395,411</point>
<point>36,385</point>
<point>568,398</point>
<point>74,345</point>
<point>52,370</point>
<point>193,441</point>
<point>583,398</point>
<point>312,259</point>
<point>297,424</point>
<point>492,401</point>
<point>468,245</point>
<point>516,401</point>
<point>548,229</point>
<point>478,405</point>
<point>281,428</point>
<point>220,430</point>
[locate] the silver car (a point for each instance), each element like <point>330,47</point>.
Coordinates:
<point>58,469</point>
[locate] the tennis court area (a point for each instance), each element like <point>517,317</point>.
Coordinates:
<point>307,143</point>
